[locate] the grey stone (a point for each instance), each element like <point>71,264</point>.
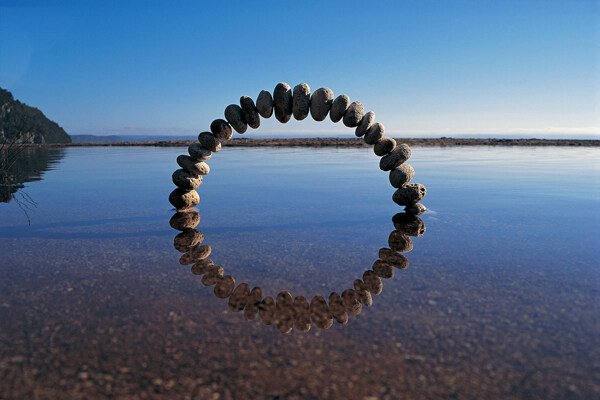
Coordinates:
<point>399,241</point>
<point>284,312</point>
<point>235,117</point>
<point>416,209</point>
<point>399,155</point>
<point>183,199</point>
<point>185,180</point>
<point>196,253</point>
<point>301,101</point>
<point>199,152</point>
<point>339,107</point>
<point>184,220</point>
<point>363,293</point>
<point>187,239</point>
<point>375,133</point>
<point>394,258</point>
<point>336,308</point>
<point>365,124</point>
<point>302,314</point>
<point>193,166</point>
<point>224,287</point>
<point>221,129</point>
<point>319,313</point>
<point>266,309</point>
<point>384,146</point>
<point>239,297</point>
<point>209,141</point>
<point>282,101</point>
<point>401,175</point>
<point>354,114</point>
<point>250,112</point>
<point>372,282</point>
<point>264,104</point>
<point>351,302</point>
<point>320,103</point>
<point>410,224</point>
<point>409,194</point>
<point>383,269</point>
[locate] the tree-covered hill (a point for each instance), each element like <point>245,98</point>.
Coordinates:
<point>20,123</point>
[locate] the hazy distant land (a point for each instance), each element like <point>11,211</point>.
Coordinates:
<point>349,142</point>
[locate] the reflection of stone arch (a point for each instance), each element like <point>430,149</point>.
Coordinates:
<point>284,311</point>
<point>299,103</point>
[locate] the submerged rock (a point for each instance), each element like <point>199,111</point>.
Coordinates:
<point>399,241</point>
<point>409,224</point>
<point>383,269</point>
<point>394,258</point>
<point>363,293</point>
<point>319,313</point>
<point>189,238</point>
<point>336,308</point>
<point>224,287</point>
<point>415,209</point>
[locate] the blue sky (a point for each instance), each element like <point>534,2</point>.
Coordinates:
<point>427,68</point>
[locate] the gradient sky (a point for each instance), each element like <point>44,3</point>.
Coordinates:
<point>427,68</point>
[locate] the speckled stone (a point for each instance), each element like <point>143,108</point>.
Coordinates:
<point>221,129</point>
<point>415,209</point>
<point>365,124</point>
<point>375,133</point>
<point>282,101</point>
<point>319,313</point>
<point>239,297</point>
<point>250,112</point>
<point>187,239</point>
<point>401,175</point>
<point>184,220</point>
<point>264,104</point>
<point>224,287</point>
<point>209,141</point>
<point>185,180</point>
<point>301,101</point>
<point>409,224</point>
<point>400,154</point>
<point>384,146</point>
<point>197,253</point>
<point>266,309</point>
<point>339,107</point>
<point>320,103</point>
<point>199,152</point>
<point>372,282</point>
<point>336,308</point>
<point>409,194</point>
<point>254,299</point>
<point>183,199</point>
<point>351,302</point>
<point>302,314</point>
<point>399,241</point>
<point>212,276</point>
<point>383,269</point>
<point>235,117</point>
<point>284,312</point>
<point>202,266</point>
<point>354,114</point>
<point>393,258</point>
<point>193,166</point>
<point>363,293</point>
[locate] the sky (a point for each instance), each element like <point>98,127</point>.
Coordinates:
<point>426,68</point>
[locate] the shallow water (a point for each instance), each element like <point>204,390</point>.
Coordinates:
<point>500,299</point>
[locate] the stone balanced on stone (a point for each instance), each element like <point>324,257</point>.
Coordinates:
<point>297,103</point>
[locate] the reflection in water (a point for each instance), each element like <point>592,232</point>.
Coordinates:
<point>285,311</point>
<point>24,164</point>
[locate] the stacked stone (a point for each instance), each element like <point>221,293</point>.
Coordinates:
<point>284,311</point>
<point>299,103</point>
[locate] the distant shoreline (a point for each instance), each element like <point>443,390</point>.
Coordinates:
<point>349,142</point>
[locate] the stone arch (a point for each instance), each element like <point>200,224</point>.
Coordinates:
<point>299,103</point>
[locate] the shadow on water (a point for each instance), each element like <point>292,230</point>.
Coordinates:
<point>20,164</point>
<point>285,311</point>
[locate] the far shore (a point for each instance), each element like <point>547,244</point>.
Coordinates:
<point>349,142</point>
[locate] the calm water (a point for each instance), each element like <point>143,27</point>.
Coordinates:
<point>500,299</point>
